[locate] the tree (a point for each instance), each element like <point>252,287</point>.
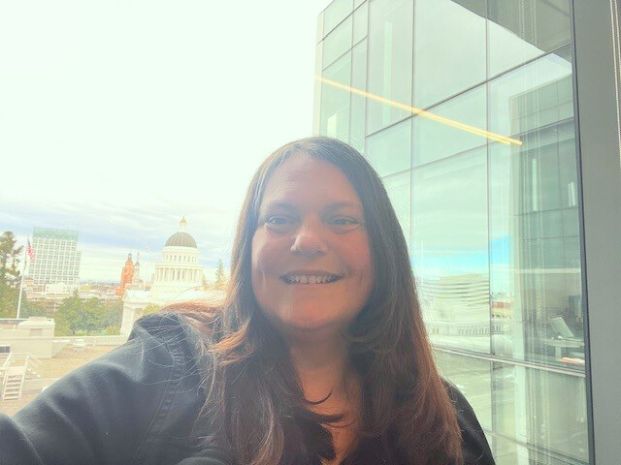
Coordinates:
<point>68,316</point>
<point>8,300</point>
<point>220,282</point>
<point>77,316</point>
<point>150,309</point>
<point>8,304</point>
<point>9,259</point>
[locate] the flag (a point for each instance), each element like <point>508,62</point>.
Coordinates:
<point>30,250</point>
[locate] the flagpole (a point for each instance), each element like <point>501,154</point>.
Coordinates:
<point>21,285</point>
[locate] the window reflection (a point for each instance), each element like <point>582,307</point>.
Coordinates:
<point>446,64</point>
<point>535,255</point>
<point>334,120</point>
<point>390,60</point>
<point>544,410</point>
<point>434,140</point>
<point>337,42</point>
<point>450,254</point>
<point>520,31</point>
<point>335,12</point>
<point>361,18</point>
<point>390,150</point>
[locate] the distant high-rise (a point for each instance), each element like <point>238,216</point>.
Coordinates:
<point>56,259</point>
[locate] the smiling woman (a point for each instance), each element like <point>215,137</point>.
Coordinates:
<point>318,355</point>
<point>311,263</point>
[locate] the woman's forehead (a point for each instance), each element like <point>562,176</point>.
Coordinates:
<point>303,177</point>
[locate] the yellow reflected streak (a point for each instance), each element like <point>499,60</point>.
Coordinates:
<point>423,113</point>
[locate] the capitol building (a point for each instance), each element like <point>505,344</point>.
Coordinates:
<point>178,277</point>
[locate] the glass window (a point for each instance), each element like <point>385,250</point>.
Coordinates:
<point>390,61</point>
<point>542,411</point>
<point>358,102</point>
<point>449,49</point>
<point>389,151</point>
<point>534,253</point>
<point>336,12</point>
<point>435,139</point>
<point>334,120</point>
<point>450,249</point>
<point>398,188</point>
<point>520,31</point>
<point>515,98</point>
<point>361,17</point>
<point>337,42</point>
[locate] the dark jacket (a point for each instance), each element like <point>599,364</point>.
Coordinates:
<point>137,405</point>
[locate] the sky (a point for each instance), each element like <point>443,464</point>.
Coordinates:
<point>118,118</point>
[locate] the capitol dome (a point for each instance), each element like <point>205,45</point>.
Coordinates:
<point>181,239</point>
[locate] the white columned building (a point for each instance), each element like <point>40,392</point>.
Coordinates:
<point>178,277</point>
<point>179,271</point>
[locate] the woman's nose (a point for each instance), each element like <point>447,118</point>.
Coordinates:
<point>309,241</point>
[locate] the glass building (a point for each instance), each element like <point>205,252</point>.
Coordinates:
<point>469,111</point>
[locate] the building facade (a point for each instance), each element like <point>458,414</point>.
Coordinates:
<point>468,110</point>
<point>55,266</point>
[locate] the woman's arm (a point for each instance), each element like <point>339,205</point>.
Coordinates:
<point>112,410</point>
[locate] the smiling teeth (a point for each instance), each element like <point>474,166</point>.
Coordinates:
<point>309,279</point>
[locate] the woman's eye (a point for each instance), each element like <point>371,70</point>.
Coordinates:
<point>344,223</point>
<point>276,220</point>
<point>279,222</point>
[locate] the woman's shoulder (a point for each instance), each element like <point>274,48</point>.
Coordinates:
<point>475,447</point>
<point>190,332</point>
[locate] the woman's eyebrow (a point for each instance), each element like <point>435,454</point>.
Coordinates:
<point>339,205</point>
<point>277,205</point>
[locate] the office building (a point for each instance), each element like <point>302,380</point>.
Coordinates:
<point>495,128</point>
<point>55,265</point>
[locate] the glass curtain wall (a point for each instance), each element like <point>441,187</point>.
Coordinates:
<point>466,110</point>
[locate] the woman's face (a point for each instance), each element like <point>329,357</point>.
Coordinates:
<point>311,260</point>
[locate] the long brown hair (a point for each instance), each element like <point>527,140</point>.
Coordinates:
<point>252,389</point>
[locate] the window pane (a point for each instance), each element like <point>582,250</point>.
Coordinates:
<point>449,242</point>
<point>434,140</point>
<point>535,252</point>
<point>389,151</point>
<point>337,42</point>
<point>449,50</point>
<point>390,60</point>
<point>358,102</point>
<point>542,410</point>
<point>334,121</point>
<point>512,113</point>
<point>520,31</point>
<point>361,17</point>
<point>336,12</point>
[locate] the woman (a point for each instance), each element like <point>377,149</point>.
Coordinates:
<point>318,356</point>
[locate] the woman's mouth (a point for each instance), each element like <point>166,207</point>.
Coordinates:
<point>310,278</point>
